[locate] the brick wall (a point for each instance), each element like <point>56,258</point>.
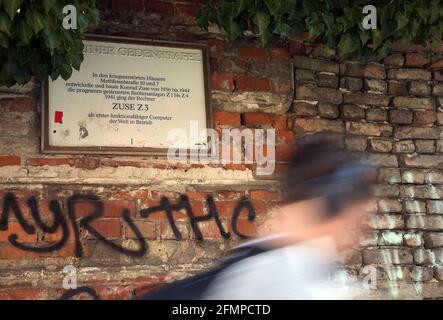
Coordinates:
<point>389,110</point>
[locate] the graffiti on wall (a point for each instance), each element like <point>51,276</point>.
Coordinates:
<point>60,221</point>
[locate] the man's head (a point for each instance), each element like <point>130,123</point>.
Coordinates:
<point>326,190</point>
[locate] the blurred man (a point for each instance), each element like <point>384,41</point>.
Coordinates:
<point>326,195</point>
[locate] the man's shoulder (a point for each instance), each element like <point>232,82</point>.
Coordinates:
<point>194,288</point>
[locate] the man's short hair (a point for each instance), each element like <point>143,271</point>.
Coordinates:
<point>320,167</point>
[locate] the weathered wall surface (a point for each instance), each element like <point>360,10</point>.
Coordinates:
<point>389,110</point>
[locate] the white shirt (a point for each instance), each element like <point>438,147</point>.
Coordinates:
<point>299,271</point>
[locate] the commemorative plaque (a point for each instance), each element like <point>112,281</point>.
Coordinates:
<point>126,98</point>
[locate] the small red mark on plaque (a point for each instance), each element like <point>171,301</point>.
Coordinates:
<point>58,117</point>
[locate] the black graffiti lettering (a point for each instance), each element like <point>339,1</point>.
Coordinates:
<point>10,203</point>
<point>184,204</point>
<point>61,221</point>
<point>125,215</point>
<point>75,228</point>
<point>98,213</point>
<point>244,203</point>
<point>212,214</point>
<point>165,206</point>
<point>68,294</point>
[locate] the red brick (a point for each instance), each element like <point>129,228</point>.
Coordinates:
<point>231,65</point>
<point>21,294</point>
<point>259,207</point>
<point>87,163</point>
<point>187,9</point>
<point>31,294</point>
<point>209,230</point>
<point>8,251</point>
<point>114,292</point>
<point>284,153</point>
<point>438,64</point>
<point>124,195</point>
<point>116,208</point>
<point>222,81</point>
<point>415,60</point>
<point>58,234</point>
<point>21,195</point>
<point>167,194</point>
<point>16,228</point>
<point>43,208</point>
<point>285,135</point>
<point>108,228</point>
<point>111,209</point>
<point>280,54</point>
<point>124,5</point>
<point>141,280</point>
<point>68,250</point>
<point>118,163</point>
<point>197,208</point>
<point>197,165</point>
<point>197,195</point>
<point>244,227</point>
<point>279,122</point>
<point>140,289</point>
<point>225,208</point>
<point>22,104</point>
<point>296,48</point>
<point>263,195</point>
<point>227,118</point>
<point>10,161</point>
<point>166,232</point>
<point>49,161</point>
<point>235,166</point>
<point>162,166</point>
<point>146,228</point>
<point>251,84</point>
<point>263,150</point>
<point>250,53</point>
<point>257,118</point>
<point>164,8</point>
<point>162,214</point>
<point>140,194</point>
<point>229,195</point>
